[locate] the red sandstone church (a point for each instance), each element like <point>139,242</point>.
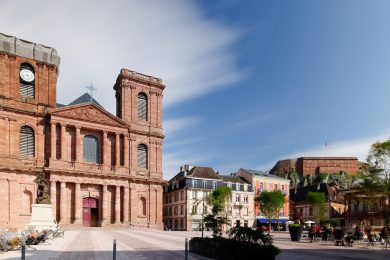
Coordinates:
<point>103,169</point>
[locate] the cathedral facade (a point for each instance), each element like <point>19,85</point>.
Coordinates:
<point>102,169</point>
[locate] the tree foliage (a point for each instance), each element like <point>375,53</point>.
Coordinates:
<point>270,203</point>
<point>379,156</point>
<point>319,204</point>
<point>374,188</point>
<point>217,199</point>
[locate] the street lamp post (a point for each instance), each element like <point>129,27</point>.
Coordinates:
<point>202,215</point>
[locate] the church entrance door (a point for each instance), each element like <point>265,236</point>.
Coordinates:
<point>90,212</point>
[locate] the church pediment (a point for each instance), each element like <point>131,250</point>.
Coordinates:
<point>88,113</point>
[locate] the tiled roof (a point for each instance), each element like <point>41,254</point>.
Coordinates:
<point>203,172</point>
<point>85,98</point>
<point>261,173</point>
<point>233,179</point>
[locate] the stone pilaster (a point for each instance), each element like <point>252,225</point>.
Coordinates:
<point>105,149</point>
<point>63,142</point>
<point>126,151</point>
<point>105,216</point>
<point>126,204</point>
<point>77,202</point>
<point>117,204</point>
<point>53,134</point>
<point>53,198</point>
<point>117,150</point>
<point>63,203</point>
<point>79,146</point>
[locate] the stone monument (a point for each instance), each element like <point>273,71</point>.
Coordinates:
<point>42,210</point>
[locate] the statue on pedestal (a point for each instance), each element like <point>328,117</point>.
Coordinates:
<point>43,189</point>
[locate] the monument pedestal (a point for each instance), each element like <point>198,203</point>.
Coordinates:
<point>42,216</point>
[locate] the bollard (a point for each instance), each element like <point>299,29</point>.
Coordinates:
<point>23,249</point>
<point>186,249</point>
<point>114,250</point>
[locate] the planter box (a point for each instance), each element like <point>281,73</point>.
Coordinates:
<point>295,233</point>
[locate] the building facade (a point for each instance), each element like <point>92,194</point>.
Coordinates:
<point>185,195</point>
<point>262,181</point>
<point>241,205</point>
<point>103,169</point>
<point>315,165</point>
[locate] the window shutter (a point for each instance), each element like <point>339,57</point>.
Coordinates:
<point>27,141</point>
<point>142,156</point>
<point>90,149</point>
<point>26,90</point>
<point>142,107</point>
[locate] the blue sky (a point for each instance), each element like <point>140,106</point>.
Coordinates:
<point>248,82</point>
<point>314,72</point>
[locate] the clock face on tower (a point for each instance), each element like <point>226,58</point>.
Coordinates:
<point>26,75</point>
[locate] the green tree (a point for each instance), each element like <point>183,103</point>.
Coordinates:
<point>376,188</point>
<point>218,216</point>
<point>319,205</point>
<point>270,204</point>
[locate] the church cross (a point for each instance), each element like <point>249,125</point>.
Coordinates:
<point>91,89</point>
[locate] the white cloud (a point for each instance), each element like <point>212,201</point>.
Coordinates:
<point>95,39</point>
<point>177,124</point>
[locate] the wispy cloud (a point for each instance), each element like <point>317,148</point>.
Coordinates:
<point>177,124</point>
<point>173,40</point>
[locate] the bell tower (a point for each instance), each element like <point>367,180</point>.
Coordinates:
<point>139,98</point>
<point>139,103</point>
<point>28,75</point>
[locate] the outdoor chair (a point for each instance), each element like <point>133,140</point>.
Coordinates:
<point>356,240</point>
<point>339,237</point>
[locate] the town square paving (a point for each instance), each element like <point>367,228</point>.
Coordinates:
<point>97,243</point>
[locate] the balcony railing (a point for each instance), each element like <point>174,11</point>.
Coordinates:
<point>87,167</point>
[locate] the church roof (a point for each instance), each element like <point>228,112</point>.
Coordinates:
<point>85,98</point>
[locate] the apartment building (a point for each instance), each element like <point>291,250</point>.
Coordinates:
<point>263,181</point>
<point>185,194</point>
<point>241,206</point>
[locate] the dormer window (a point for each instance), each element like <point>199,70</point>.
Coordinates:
<point>26,80</point>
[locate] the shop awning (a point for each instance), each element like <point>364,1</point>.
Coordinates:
<point>266,220</point>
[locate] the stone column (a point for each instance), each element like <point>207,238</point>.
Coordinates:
<point>63,203</point>
<point>79,147</point>
<point>53,135</point>
<point>63,141</point>
<point>53,198</point>
<point>105,149</point>
<point>105,205</point>
<point>126,151</point>
<point>117,150</point>
<point>117,204</point>
<point>77,204</point>
<point>126,205</point>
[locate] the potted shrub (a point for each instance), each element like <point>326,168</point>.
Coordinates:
<point>295,231</point>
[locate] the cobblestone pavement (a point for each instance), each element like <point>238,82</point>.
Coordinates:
<point>97,244</point>
<point>304,250</point>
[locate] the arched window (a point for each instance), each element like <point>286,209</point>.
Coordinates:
<point>27,80</point>
<point>143,206</point>
<point>27,141</point>
<point>90,149</point>
<point>142,156</point>
<point>142,107</point>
